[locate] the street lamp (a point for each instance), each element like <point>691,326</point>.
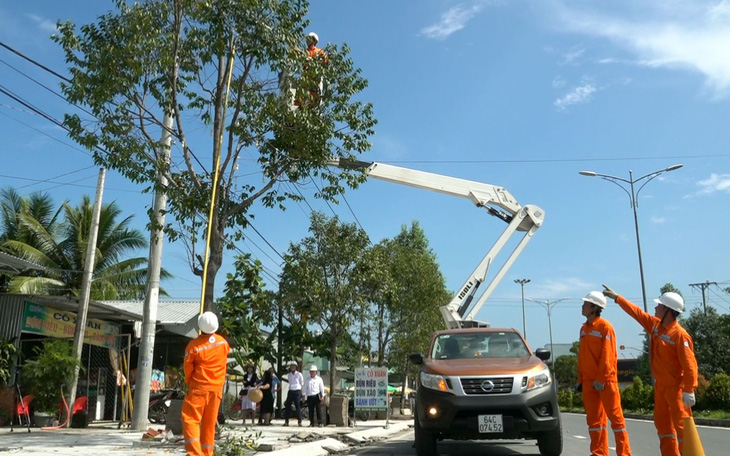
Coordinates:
<point>633,195</point>
<point>522,283</point>
<point>548,304</point>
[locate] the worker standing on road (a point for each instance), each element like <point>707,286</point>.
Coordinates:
<point>597,378</point>
<point>206,358</point>
<point>673,366</point>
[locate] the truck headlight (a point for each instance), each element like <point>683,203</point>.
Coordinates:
<point>538,380</point>
<point>434,382</point>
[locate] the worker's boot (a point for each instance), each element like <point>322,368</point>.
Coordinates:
<point>286,423</point>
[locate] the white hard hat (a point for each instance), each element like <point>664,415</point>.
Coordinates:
<point>208,322</point>
<point>313,368</point>
<point>313,36</point>
<point>293,363</point>
<point>672,300</point>
<point>597,298</point>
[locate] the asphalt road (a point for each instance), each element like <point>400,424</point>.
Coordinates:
<point>642,434</point>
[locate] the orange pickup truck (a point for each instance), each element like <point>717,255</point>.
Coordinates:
<point>485,383</point>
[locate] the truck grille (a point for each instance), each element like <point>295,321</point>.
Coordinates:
<point>474,385</point>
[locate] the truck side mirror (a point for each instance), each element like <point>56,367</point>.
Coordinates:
<point>543,354</point>
<point>416,358</point>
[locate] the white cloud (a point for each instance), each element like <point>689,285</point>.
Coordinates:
<point>556,289</point>
<point>559,82</point>
<point>572,57</point>
<point>43,23</point>
<point>688,36</point>
<point>715,183</point>
<point>579,95</point>
<point>452,21</point>
<point>657,220</point>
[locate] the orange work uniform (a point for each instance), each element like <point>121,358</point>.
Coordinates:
<point>674,368</point>
<point>206,358</point>
<point>597,361</point>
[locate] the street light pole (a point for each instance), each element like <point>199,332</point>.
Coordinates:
<point>633,197</point>
<point>548,304</point>
<point>522,283</point>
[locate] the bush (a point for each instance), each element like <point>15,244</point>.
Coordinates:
<point>570,400</point>
<point>638,397</point>
<point>565,399</point>
<point>54,366</point>
<point>717,396</point>
<point>701,393</point>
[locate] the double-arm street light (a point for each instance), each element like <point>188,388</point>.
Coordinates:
<point>522,283</point>
<point>633,196</point>
<point>548,304</point>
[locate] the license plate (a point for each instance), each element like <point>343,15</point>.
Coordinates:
<point>490,423</point>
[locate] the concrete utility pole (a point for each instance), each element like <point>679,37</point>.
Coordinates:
<point>522,283</point>
<point>703,286</point>
<point>152,296</point>
<point>80,330</point>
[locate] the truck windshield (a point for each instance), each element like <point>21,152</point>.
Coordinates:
<point>479,345</point>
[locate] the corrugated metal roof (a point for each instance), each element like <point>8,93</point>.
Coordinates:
<point>11,263</point>
<point>168,312</point>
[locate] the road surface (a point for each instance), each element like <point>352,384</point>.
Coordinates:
<point>642,434</point>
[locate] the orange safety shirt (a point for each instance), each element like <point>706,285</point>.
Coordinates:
<point>206,358</point>
<point>597,355</point>
<point>673,360</point>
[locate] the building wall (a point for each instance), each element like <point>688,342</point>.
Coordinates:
<point>11,316</point>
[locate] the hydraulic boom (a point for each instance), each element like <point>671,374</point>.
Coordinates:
<point>459,313</point>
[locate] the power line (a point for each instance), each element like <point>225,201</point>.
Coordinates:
<point>46,87</point>
<point>34,62</point>
<point>85,152</point>
<point>325,200</point>
<point>56,177</point>
<point>63,183</point>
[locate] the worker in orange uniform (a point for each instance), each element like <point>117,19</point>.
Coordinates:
<point>206,358</point>
<point>313,52</point>
<point>673,366</point>
<point>597,378</point>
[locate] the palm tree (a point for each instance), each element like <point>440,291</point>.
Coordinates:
<point>62,249</point>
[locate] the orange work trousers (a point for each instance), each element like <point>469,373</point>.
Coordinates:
<point>600,405</point>
<point>199,416</point>
<point>669,411</point>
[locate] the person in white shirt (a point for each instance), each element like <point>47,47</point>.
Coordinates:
<point>296,382</point>
<point>314,391</point>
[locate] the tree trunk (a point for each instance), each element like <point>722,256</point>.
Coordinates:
<point>214,264</point>
<point>333,357</point>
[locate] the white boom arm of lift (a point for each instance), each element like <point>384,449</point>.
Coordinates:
<point>496,200</point>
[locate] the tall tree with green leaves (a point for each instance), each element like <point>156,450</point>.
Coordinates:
<point>320,278</point>
<point>223,70</point>
<point>62,250</point>
<point>711,340</point>
<point>246,307</point>
<point>406,289</point>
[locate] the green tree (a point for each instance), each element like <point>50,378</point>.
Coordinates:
<point>13,207</point>
<point>406,289</point>
<point>668,287</point>
<point>245,308</point>
<point>319,278</point>
<point>215,65</point>
<point>711,342</point>
<point>566,370</point>
<point>61,248</point>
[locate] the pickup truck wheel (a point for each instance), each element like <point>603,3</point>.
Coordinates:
<point>425,440</point>
<point>551,443</point>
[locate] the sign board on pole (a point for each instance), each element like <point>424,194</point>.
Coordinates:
<point>371,389</point>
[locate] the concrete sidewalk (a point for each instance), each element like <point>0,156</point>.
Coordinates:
<point>275,440</point>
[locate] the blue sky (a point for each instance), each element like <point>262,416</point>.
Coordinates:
<point>522,94</point>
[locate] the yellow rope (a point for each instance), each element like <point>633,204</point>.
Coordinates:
<point>215,185</point>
